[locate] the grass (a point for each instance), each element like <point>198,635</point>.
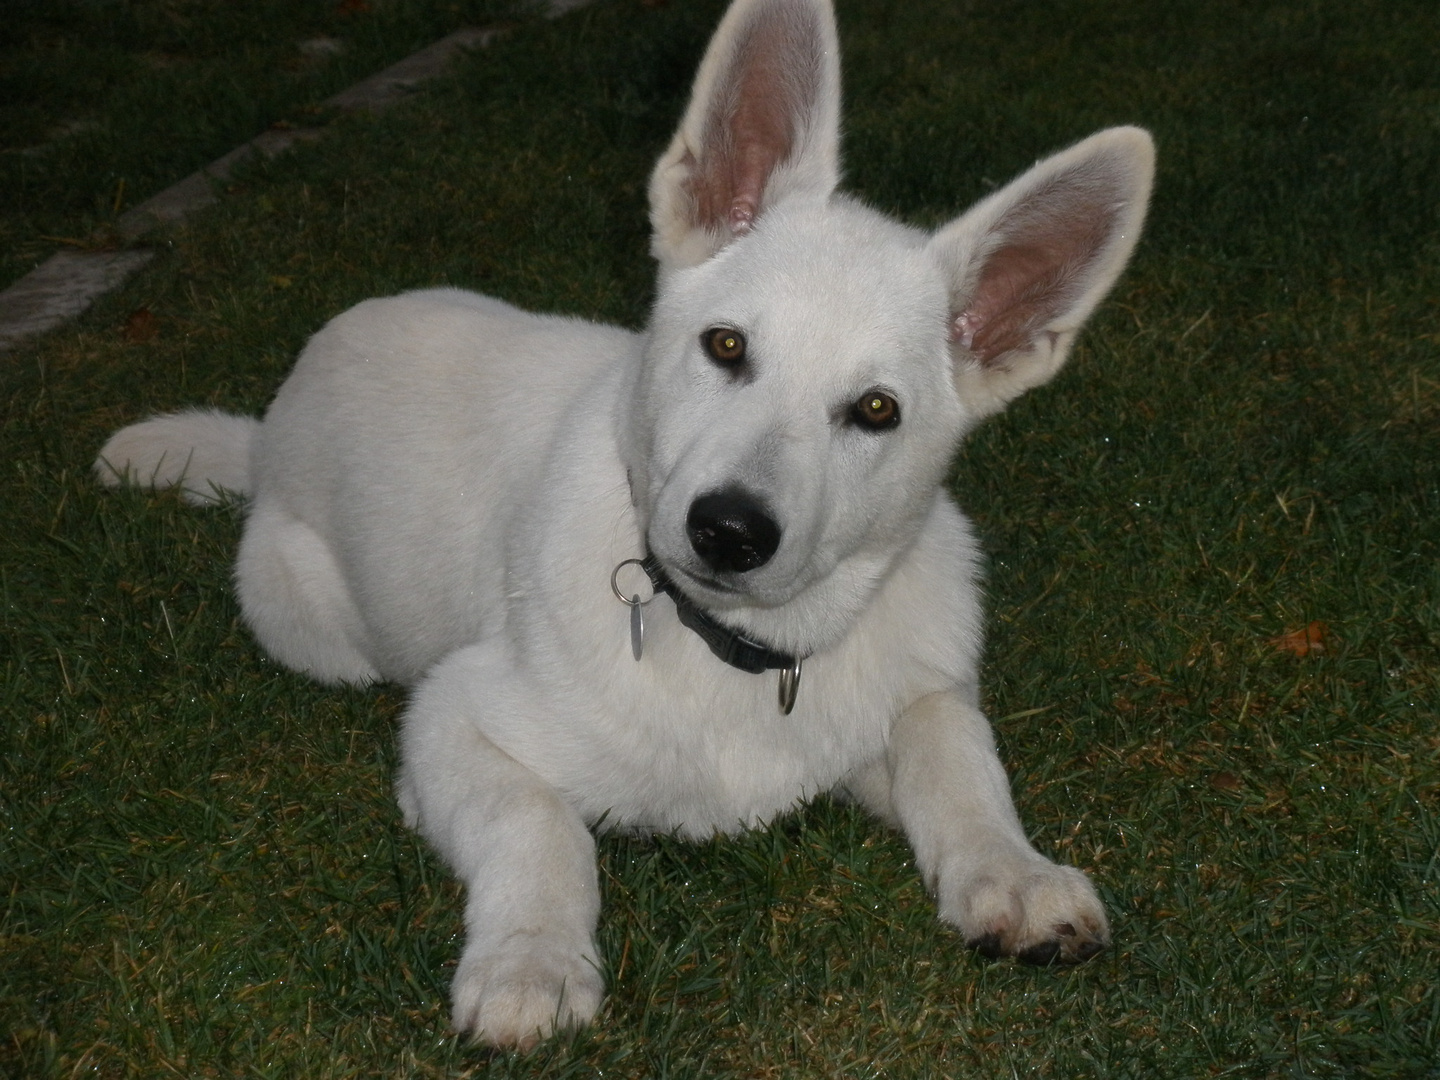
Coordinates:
<point>204,871</point>
<point>104,103</point>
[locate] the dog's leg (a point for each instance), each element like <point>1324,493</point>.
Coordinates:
<point>951,796</point>
<point>526,858</point>
<point>296,601</point>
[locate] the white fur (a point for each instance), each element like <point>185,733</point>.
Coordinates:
<point>203,452</point>
<point>441,489</point>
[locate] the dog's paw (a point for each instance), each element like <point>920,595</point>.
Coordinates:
<point>1034,910</point>
<point>525,990</point>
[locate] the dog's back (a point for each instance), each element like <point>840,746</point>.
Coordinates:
<point>384,475</point>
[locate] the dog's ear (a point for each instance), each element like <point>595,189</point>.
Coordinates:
<point>763,124</point>
<point>1028,264</point>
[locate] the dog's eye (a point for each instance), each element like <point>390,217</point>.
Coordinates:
<point>876,411</point>
<point>725,346</point>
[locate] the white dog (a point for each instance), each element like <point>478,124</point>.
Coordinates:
<point>590,552</point>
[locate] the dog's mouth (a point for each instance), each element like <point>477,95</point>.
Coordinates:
<point>724,574</point>
<point>710,587</point>
<point>689,581</point>
<point>700,591</point>
<point>719,589</point>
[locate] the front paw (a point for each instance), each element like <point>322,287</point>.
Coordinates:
<point>524,989</point>
<point>1031,909</point>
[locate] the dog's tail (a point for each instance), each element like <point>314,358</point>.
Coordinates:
<point>203,452</point>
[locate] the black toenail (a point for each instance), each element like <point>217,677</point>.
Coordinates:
<point>1041,955</point>
<point>987,945</point>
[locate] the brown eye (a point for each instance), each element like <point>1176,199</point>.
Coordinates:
<point>876,411</point>
<point>726,347</point>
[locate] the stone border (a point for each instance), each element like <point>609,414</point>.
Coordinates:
<point>60,288</point>
<point>68,282</point>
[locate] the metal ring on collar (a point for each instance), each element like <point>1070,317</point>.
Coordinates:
<point>629,601</point>
<point>789,687</point>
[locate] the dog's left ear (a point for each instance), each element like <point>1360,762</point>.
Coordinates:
<point>763,125</point>
<point>1029,264</point>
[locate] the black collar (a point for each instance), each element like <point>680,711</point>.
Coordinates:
<point>729,645</point>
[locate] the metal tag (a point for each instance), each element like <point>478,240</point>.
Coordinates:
<point>637,626</point>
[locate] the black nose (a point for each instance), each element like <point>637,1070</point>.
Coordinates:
<point>731,531</point>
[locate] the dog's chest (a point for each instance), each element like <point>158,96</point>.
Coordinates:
<point>722,757</point>
<point>680,742</point>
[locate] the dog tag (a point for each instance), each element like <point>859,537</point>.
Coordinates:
<point>635,604</point>
<point>637,626</point>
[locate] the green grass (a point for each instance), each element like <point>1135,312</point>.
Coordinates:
<point>204,871</point>
<point>104,103</point>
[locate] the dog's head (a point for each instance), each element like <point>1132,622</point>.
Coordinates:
<point>811,365</point>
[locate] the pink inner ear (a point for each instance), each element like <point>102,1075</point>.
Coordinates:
<point>1036,273</point>
<point>963,329</point>
<point>757,111</point>
<point>742,216</point>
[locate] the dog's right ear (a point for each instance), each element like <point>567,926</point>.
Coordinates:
<point>1029,264</point>
<point>763,125</point>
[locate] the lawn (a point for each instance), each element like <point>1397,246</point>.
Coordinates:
<point>1214,588</point>
<point>103,103</point>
